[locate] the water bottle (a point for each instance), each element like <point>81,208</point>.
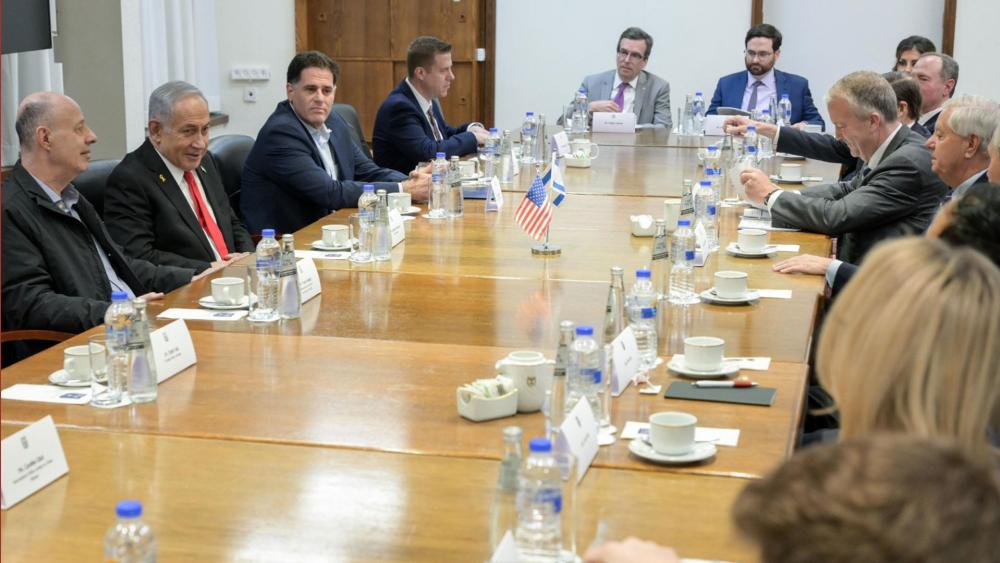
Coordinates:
<point>289,299</point>
<point>785,111</point>
<point>503,516</point>
<point>698,113</point>
<point>581,110</point>
<point>614,315</point>
<point>712,158</point>
<point>490,150</point>
<point>268,261</point>
<point>439,187</point>
<point>366,211</point>
<point>567,333</point>
<point>764,149</point>
<point>529,130</point>
<point>454,199</point>
<point>142,366</point>
<point>130,539</point>
<point>539,505</point>
<point>583,371</point>
<point>681,285</point>
<point>642,294</point>
<point>507,164</point>
<point>687,199</point>
<point>711,227</point>
<point>117,325</point>
<point>383,236</point>
<point>750,141</point>
<point>644,329</point>
<point>688,123</point>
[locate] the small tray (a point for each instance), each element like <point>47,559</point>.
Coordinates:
<point>478,409</point>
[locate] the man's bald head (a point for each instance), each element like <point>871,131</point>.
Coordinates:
<point>54,136</point>
<point>37,110</point>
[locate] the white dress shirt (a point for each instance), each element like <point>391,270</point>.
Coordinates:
<point>764,91</point>
<point>628,103</point>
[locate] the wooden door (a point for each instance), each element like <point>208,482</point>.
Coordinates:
<point>369,38</point>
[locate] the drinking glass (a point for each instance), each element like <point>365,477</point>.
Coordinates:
<point>109,371</point>
<point>360,252</point>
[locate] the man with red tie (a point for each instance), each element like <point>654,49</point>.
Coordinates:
<point>165,202</point>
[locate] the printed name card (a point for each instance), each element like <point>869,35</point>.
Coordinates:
<point>507,551</point>
<point>607,122</point>
<point>396,227</point>
<point>625,355</point>
<point>309,285</point>
<point>30,459</point>
<point>560,143</point>
<point>714,124</point>
<point>578,436</point>
<point>173,350</point>
<point>497,192</point>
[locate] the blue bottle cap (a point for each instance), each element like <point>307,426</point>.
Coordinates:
<point>597,376</point>
<point>371,187</point>
<point>582,90</point>
<point>706,182</point>
<point>540,445</point>
<point>711,209</point>
<point>751,148</point>
<point>648,313</point>
<point>689,255</point>
<point>642,273</point>
<point>267,233</point>
<point>128,509</point>
<point>766,110</point>
<point>697,92</point>
<point>784,96</point>
<point>585,330</point>
<point>752,128</point>
<point>684,223</point>
<point>439,155</point>
<point>712,148</point>
<point>493,129</point>
<point>119,296</point>
<point>529,113</point>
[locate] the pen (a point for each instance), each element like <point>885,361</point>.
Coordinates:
<point>736,383</point>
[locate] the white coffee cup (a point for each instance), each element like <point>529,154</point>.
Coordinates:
<point>400,201</point>
<point>752,240</point>
<point>730,284</point>
<point>335,235</point>
<point>228,291</point>
<point>468,168</point>
<point>791,171</point>
<point>703,353</point>
<point>671,432</point>
<point>76,362</point>
<point>583,149</point>
<point>671,213</point>
<point>531,374</point>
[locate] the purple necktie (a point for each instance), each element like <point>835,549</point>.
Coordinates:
<point>620,96</point>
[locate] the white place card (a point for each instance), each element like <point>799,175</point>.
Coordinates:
<point>787,247</point>
<point>560,141</point>
<point>760,363</point>
<point>173,350</point>
<point>497,192</point>
<point>720,436</point>
<point>47,394</point>
<point>309,285</point>
<point>506,551</point>
<point>201,314</point>
<point>578,436</point>
<point>607,122</point>
<point>323,255</point>
<point>30,459</point>
<point>775,293</point>
<point>714,123</point>
<point>396,229</point>
<point>625,355</point>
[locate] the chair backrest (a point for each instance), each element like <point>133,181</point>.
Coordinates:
<point>350,115</point>
<point>93,182</point>
<point>230,154</point>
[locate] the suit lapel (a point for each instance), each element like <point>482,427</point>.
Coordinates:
<point>779,84</point>
<point>640,93</point>
<point>408,94</point>
<point>213,191</point>
<point>606,85</point>
<point>161,176</point>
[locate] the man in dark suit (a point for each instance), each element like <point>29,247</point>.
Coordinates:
<point>895,194</point>
<point>60,266</point>
<point>165,202</point>
<point>937,74</point>
<point>304,164</point>
<point>409,126</point>
<point>752,90</point>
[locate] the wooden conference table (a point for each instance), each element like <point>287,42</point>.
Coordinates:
<point>368,374</point>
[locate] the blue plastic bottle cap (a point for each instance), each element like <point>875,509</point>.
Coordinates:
<point>439,155</point>
<point>493,129</point>
<point>369,187</point>
<point>648,313</point>
<point>766,110</point>
<point>267,233</point>
<point>751,148</point>
<point>689,255</point>
<point>119,296</point>
<point>585,330</point>
<point>642,273</point>
<point>540,445</point>
<point>697,93</point>
<point>712,148</point>
<point>784,96</point>
<point>751,127</point>
<point>706,183</point>
<point>128,509</point>
<point>711,210</point>
<point>684,223</point>
<point>529,113</point>
<point>583,90</point>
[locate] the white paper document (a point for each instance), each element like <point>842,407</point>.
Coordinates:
<point>787,247</point>
<point>30,459</point>
<point>765,224</point>
<point>719,436</point>
<point>47,394</point>
<point>775,293</point>
<point>201,314</point>
<point>323,255</point>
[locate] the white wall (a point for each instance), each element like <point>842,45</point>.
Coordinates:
<point>253,33</point>
<point>545,48</point>
<point>848,35</point>
<point>976,46</point>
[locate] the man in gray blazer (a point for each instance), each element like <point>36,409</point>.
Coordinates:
<point>895,194</point>
<point>629,88</point>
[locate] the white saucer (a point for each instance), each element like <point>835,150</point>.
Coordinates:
<point>60,378</point>
<point>318,245</point>
<point>701,451</point>
<point>768,251</point>
<point>208,302</point>
<point>787,156</point>
<point>711,296</point>
<point>728,367</point>
<point>779,180</point>
<point>413,210</point>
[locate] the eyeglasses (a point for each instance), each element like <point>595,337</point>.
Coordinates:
<point>625,54</point>
<point>762,55</point>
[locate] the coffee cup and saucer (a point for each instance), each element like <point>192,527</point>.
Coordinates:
<point>227,294</point>
<point>671,440</point>
<point>76,370</point>
<point>751,243</point>
<point>730,289</point>
<point>704,359</point>
<point>335,237</point>
<point>789,173</point>
<point>403,203</point>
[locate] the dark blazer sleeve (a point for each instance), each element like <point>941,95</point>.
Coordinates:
<point>290,164</point>
<point>809,112</point>
<point>716,99</point>
<point>407,133</point>
<point>844,274</point>
<point>817,146</point>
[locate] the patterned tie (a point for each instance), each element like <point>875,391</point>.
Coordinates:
<point>434,124</point>
<point>204,217</point>
<point>752,102</point>
<point>620,96</point>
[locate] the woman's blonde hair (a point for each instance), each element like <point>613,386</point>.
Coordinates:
<point>913,344</point>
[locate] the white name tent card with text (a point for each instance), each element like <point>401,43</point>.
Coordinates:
<point>173,350</point>
<point>578,436</point>
<point>560,142</point>
<point>30,459</point>
<point>607,122</point>
<point>396,227</point>
<point>309,285</point>
<point>625,355</point>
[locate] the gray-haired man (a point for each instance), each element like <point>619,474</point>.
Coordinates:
<point>165,201</point>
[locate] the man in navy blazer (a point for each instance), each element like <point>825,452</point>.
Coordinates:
<point>409,126</point>
<point>752,90</point>
<point>304,164</point>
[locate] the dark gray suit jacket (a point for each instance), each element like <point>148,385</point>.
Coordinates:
<point>652,96</point>
<point>898,197</point>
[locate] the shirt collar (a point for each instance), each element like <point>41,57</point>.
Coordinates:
<point>174,170</point>
<point>924,118</point>
<point>880,151</point>
<point>964,186</point>
<point>423,102</point>
<point>321,135</point>
<point>767,78</point>
<point>69,197</point>
<point>618,80</point>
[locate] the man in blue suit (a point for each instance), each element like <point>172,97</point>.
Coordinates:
<point>409,126</point>
<point>304,164</point>
<point>752,90</point>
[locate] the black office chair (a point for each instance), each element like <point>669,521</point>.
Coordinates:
<point>93,182</point>
<point>230,153</point>
<point>350,115</point>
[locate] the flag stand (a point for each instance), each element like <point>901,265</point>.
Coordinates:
<point>546,249</point>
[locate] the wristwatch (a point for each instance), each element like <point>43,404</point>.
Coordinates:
<point>767,198</point>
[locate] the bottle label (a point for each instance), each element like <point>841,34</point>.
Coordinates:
<point>553,496</point>
<point>687,203</point>
<point>661,250</point>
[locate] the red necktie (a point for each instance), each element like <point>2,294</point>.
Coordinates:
<point>201,210</point>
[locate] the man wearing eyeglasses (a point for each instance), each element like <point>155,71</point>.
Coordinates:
<point>752,90</point>
<point>629,88</point>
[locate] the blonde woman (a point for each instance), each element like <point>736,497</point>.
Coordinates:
<point>913,344</point>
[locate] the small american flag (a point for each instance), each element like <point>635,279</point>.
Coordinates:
<point>534,213</point>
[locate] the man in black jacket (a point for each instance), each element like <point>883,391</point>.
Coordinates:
<point>59,264</point>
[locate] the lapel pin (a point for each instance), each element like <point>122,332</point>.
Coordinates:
<point>162,179</point>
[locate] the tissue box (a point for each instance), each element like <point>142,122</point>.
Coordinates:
<point>478,409</point>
